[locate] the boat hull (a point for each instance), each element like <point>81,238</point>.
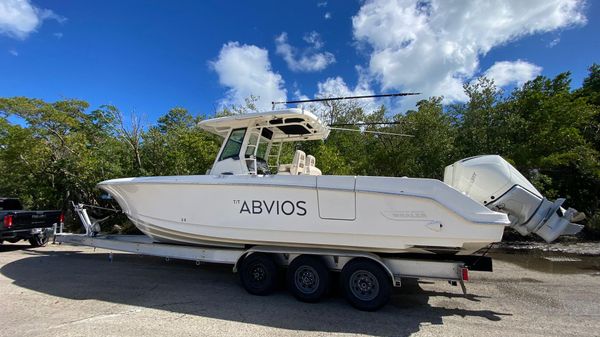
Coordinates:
<point>374,214</point>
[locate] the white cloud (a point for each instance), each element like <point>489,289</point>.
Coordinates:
<point>337,87</point>
<point>246,70</point>
<point>313,38</point>
<point>327,16</point>
<point>13,52</point>
<point>298,95</point>
<point>434,46</point>
<point>310,59</point>
<point>504,73</point>
<point>19,18</point>
<point>58,35</point>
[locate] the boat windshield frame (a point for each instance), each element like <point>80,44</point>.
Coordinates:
<point>238,143</point>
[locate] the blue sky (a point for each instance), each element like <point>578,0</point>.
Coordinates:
<point>149,56</point>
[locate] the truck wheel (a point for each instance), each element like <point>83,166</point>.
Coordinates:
<point>308,278</point>
<point>366,284</point>
<point>38,240</point>
<point>258,273</point>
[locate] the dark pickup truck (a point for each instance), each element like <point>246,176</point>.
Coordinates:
<point>19,224</point>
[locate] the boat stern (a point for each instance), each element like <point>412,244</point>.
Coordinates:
<point>493,182</point>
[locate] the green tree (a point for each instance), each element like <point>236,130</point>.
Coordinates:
<point>549,145</point>
<point>426,152</point>
<point>482,126</point>
<point>60,153</point>
<point>175,146</point>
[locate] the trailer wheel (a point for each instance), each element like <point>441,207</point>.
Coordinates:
<point>258,273</point>
<point>308,278</point>
<point>366,285</point>
<point>39,240</point>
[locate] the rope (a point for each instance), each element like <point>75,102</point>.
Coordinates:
<point>103,208</point>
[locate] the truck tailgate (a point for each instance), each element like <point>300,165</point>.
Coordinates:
<point>33,219</point>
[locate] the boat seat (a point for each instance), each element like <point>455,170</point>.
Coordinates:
<point>296,167</point>
<point>311,169</point>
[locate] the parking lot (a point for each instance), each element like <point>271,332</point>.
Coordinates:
<point>62,290</point>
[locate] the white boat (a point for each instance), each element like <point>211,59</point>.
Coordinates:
<point>250,198</point>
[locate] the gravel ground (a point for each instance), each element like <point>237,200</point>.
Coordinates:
<point>579,248</point>
<point>75,291</point>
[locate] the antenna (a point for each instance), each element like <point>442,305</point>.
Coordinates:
<point>365,123</point>
<point>343,98</point>
<point>336,126</point>
<point>374,132</point>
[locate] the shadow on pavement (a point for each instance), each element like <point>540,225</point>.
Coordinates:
<point>11,247</point>
<point>213,291</point>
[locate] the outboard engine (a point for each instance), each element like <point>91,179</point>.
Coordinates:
<point>495,183</point>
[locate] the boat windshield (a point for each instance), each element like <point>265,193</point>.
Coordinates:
<point>234,144</point>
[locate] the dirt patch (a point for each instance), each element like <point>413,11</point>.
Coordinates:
<point>578,248</point>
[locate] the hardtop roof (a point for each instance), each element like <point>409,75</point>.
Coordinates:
<point>287,125</point>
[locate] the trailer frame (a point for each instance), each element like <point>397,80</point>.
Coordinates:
<point>396,267</point>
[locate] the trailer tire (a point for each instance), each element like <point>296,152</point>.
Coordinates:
<point>38,240</point>
<point>258,274</point>
<point>308,278</point>
<point>366,284</point>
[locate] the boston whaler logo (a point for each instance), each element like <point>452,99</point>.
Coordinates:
<point>275,207</point>
<point>404,215</point>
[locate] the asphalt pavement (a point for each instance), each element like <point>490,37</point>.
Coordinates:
<point>62,290</point>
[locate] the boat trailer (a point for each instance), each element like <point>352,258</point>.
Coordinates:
<point>396,266</point>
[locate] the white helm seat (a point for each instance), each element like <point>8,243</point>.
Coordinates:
<point>296,167</point>
<point>311,169</point>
